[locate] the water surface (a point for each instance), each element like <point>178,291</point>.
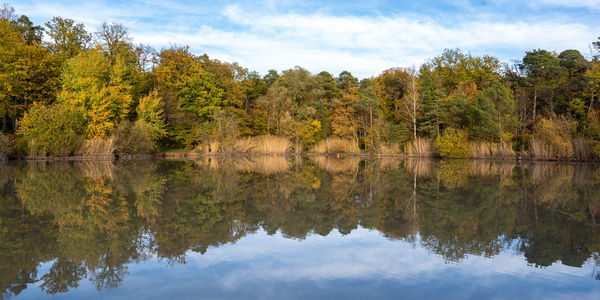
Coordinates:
<point>297,228</point>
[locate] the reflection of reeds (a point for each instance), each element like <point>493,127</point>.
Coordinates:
<point>486,168</point>
<point>336,165</point>
<point>263,164</point>
<point>389,163</point>
<point>553,183</point>
<point>421,147</point>
<point>420,167</point>
<point>96,169</point>
<point>334,145</point>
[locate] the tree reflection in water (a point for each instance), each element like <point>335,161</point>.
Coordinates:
<point>92,219</point>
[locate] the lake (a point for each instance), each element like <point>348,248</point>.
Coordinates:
<point>298,228</point>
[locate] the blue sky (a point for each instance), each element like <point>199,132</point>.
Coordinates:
<point>364,37</point>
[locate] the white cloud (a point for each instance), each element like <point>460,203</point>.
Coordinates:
<point>262,39</point>
<point>593,4</point>
<point>366,45</point>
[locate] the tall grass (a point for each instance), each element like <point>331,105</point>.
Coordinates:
<point>582,148</point>
<point>420,147</point>
<point>492,150</point>
<point>270,144</point>
<point>97,147</point>
<point>264,144</point>
<point>388,149</point>
<point>333,145</point>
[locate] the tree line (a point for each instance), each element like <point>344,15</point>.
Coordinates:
<point>65,91</point>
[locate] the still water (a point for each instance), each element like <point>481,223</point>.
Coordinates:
<point>297,228</point>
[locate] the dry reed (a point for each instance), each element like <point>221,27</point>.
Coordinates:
<point>265,144</point>
<point>97,147</point>
<point>582,148</point>
<point>492,150</point>
<point>270,144</point>
<point>388,149</point>
<point>334,144</point>
<point>421,147</point>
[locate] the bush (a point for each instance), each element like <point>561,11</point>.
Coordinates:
<point>134,138</point>
<point>552,139</point>
<point>53,130</point>
<point>453,144</point>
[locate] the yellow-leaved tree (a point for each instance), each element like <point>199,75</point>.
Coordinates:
<point>98,89</point>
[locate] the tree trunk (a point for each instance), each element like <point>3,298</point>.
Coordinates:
<point>371,125</point>
<point>535,90</point>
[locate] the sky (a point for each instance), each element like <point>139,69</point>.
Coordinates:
<point>363,37</point>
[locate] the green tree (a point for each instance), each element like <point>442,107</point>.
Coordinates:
<point>68,38</point>
<point>541,68</point>
<point>53,130</point>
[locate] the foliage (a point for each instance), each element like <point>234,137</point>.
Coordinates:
<point>453,143</point>
<point>552,139</point>
<point>150,110</point>
<point>98,89</point>
<point>134,138</point>
<point>191,101</point>
<point>54,130</point>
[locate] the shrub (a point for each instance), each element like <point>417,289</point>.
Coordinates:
<point>134,138</point>
<point>53,130</point>
<point>334,144</point>
<point>552,139</point>
<point>453,144</point>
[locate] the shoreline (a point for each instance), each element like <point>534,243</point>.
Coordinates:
<point>192,155</point>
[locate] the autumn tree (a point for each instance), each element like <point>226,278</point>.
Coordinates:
<point>98,89</point>
<point>67,37</point>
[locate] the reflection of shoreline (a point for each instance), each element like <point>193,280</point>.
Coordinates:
<point>88,211</point>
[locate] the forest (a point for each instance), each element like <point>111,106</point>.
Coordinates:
<point>65,91</point>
